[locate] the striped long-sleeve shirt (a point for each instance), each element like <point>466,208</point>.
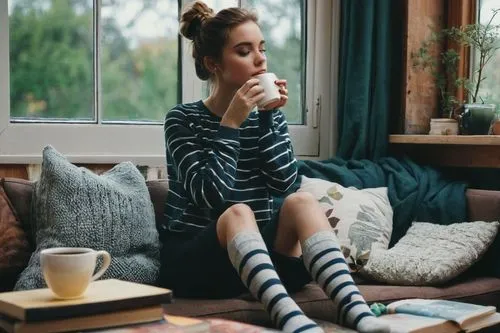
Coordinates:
<point>210,167</point>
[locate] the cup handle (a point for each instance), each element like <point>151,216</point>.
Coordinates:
<point>105,264</point>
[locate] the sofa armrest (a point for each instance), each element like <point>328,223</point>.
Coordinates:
<point>483,205</point>
<point>20,193</point>
<point>158,190</point>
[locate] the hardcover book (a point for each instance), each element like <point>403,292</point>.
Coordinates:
<point>101,297</point>
<point>110,319</point>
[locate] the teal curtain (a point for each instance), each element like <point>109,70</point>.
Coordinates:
<point>370,76</point>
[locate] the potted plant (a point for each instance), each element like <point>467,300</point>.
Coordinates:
<point>442,64</point>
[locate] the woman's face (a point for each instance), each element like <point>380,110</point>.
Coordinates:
<point>243,56</point>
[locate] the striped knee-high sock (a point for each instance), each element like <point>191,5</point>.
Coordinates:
<point>249,256</point>
<point>325,261</point>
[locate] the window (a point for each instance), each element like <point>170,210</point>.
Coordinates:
<point>490,88</point>
<point>102,100</point>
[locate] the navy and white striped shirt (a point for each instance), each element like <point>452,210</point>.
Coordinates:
<point>211,167</point>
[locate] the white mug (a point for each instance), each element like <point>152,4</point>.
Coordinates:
<point>271,89</point>
<point>68,271</point>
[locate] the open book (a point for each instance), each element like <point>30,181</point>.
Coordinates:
<point>424,315</point>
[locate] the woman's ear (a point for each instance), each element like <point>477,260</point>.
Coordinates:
<point>210,64</point>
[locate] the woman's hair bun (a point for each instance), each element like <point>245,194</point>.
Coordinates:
<point>193,17</point>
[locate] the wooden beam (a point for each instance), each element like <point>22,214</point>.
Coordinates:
<point>460,13</point>
<point>421,94</point>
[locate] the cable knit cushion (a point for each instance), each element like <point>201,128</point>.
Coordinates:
<point>74,207</point>
<point>361,219</point>
<point>431,254</point>
<point>14,247</point>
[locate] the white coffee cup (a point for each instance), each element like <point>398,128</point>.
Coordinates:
<point>68,271</point>
<point>271,89</point>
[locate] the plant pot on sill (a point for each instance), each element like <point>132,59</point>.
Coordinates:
<point>476,118</point>
<point>443,126</point>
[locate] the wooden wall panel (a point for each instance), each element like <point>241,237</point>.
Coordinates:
<point>32,171</point>
<point>421,95</point>
<point>14,170</point>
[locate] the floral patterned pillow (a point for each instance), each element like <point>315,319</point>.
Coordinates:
<point>361,219</point>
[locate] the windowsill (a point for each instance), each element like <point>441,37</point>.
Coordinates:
<point>479,151</point>
<point>474,140</point>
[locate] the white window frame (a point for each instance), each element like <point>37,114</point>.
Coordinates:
<point>22,143</point>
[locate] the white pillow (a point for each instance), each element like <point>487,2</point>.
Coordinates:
<point>431,254</point>
<point>362,219</point>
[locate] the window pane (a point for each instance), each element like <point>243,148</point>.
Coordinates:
<point>139,59</point>
<point>282,23</point>
<point>490,88</point>
<point>51,64</point>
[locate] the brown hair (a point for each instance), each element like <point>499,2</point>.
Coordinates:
<point>209,32</point>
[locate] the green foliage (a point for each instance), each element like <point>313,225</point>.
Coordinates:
<point>50,60</point>
<point>484,38</point>
<point>52,64</point>
<point>443,64</point>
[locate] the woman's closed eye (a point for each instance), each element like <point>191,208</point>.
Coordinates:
<point>246,51</point>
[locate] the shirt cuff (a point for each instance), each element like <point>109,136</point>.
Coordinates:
<point>266,119</point>
<point>229,133</point>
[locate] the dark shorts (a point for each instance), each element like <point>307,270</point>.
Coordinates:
<point>198,267</point>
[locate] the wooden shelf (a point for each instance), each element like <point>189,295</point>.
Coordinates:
<point>481,151</point>
<point>474,140</point>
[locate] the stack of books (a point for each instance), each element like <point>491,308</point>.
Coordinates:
<point>106,303</point>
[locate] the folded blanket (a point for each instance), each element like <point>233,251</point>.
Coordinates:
<point>416,193</point>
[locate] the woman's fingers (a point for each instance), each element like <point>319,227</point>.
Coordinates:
<point>257,89</point>
<point>249,85</point>
<point>281,83</point>
<point>278,104</point>
<point>284,91</point>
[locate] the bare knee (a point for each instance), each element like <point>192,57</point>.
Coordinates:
<point>302,213</point>
<point>296,201</point>
<point>235,219</point>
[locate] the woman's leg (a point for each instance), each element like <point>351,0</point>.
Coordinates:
<point>238,232</point>
<point>304,229</point>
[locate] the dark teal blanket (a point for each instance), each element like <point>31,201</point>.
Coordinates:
<point>416,193</point>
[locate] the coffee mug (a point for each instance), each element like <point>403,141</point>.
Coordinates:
<point>68,271</point>
<point>271,89</point>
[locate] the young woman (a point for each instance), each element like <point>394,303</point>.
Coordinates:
<point>224,161</point>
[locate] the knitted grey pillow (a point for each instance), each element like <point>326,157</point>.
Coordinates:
<point>74,207</point>
<point>431,254</point>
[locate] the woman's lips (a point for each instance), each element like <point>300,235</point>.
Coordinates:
<point>260,72</point>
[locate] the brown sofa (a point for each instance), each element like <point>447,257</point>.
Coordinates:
<point>474,288</point>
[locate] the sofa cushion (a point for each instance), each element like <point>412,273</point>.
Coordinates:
<point>314,302</point>
<point>431,254</point>
<point>74,207</point>
<point>14,247</point>
<point>362,219</point>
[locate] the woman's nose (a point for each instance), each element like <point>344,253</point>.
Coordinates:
<point>260,58</point>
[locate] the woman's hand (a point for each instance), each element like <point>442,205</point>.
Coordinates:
<point>244,100</point>
<point>284,96</point>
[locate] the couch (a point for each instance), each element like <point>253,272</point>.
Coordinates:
<point>470,287</point>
